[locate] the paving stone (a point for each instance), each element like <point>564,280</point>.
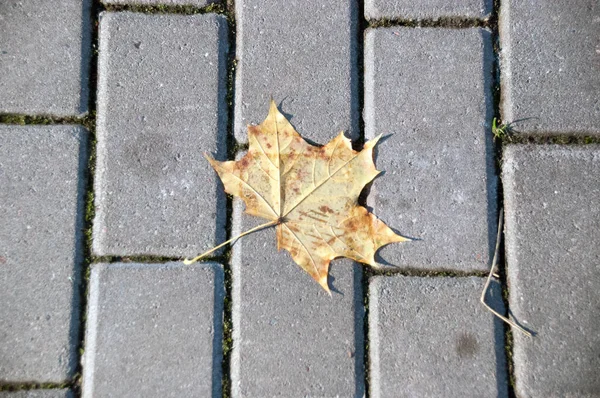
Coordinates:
<point>54,393</point>
<point>549,64</point>
<point>428,9</point>
<point>304,55</point>
<point>290,337</point>
<point>161,103</point>
<point>41,207</point>
<point>428,92</point>
<point>431,337</point>
<point>196,3</point>
<point>551,194</point>
<point>154,330</point>
<point>45,56</point>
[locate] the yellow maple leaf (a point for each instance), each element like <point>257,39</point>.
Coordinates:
<point>309,193</point>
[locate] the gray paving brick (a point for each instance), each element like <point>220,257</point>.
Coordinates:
<point>303,54</point>
<point>161,103</point>
<point>196,3</point>
<point>154,330</point>
<point>428,9</point>
<point>53,393</point>
<point>41,207</point>
<point>290,337</point>
<point>44,56</point>
<point>428,92</point>
<point>550,51</point>
<point>431,337</point>
<point>551,194</point>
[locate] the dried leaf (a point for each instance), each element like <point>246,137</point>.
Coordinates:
<point>310,193</point>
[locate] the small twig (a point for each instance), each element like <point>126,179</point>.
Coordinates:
<point>265,225</point>
<point>489,279</point>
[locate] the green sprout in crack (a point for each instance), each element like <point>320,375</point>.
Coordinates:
<point>500,131</point>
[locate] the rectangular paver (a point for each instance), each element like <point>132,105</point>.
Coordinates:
<point>154,330</point>
<point>551,194</point>
<point>161,103</point>
<point>290,337</point>
<point>428,91</point>
<point>549,65</point>
<point>427,9</point>
<point>42,193</point>
<point>431,337</point>
<point>45,49</point>
<point>303,54</point>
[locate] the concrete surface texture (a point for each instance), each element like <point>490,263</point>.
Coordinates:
<point>289,334</point>
<point>550,50</point>
<point>42,175</point>
<point>553,229</point>
<point>430,337</point>
<point>303,65</point>
<point>433,107</point>
<point>161,103</point>
<point>106,108</point>
<point>155,327</point>
<point>45,50</point>
<point>427,9</point>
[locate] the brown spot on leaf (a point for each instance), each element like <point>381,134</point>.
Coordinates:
<point>326,209</point>
<point>243,163</point>
<point>351,226</point>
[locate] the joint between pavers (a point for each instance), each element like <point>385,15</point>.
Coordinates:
<point>442,22</point>
<point>547,138</point>
<point>144,259</point>
<point>422,273</point>
<point>366,336</point>
<point>25,119</point>
<point>232,148</point>
<point>28,386</point>
<point>498,148</point>
<point>214,8</point>
<point>89,195</point>
<point>361,25</point>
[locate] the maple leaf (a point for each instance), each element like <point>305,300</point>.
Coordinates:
<point>309,193</point>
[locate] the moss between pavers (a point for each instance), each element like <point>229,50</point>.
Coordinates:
<point>34,386</point>
<point>504,133</point>
<point>444,22</point>
<point>22,120</point>
<point>166,9</point>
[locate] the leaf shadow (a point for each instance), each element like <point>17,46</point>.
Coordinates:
<point>330,282</point>
<point>364,194</point>
<point>380,260</point>
<point>383,139</point>
<point>289,117</point>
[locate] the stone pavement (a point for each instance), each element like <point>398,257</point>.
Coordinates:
<point>106,108</point>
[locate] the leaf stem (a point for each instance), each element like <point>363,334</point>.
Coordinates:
<point>257,228</point>
<point>489,278</point>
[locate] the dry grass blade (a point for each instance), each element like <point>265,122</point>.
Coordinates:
<point>489,279</point>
